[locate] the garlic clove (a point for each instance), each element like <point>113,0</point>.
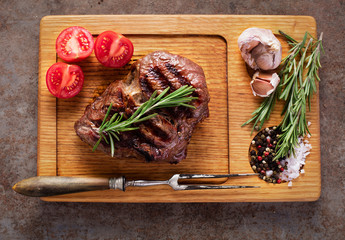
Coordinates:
<point>260,49</point>
<point>261,88</point>
<point>264,59</point>
<point>263,84</point>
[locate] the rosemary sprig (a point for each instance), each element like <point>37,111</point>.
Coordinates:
<point>298,90</point>
<point>117,124</point>
<point>262,113</point>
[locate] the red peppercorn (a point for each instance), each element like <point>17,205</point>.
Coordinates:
<point>278,163</point>
<point>279,181</point>
<point>266,153</point>
<point>282,169</point>
<point>268,140</point>
<point>269,145</point>
<point>259,158</point>
<point>263,172</point>
<point>259,146</point>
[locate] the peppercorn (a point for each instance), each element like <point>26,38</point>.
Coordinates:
<point>257,128</point>
<point>279,180</point>
<point>264,144</point>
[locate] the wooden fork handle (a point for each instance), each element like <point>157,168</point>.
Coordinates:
<point>43,186</point>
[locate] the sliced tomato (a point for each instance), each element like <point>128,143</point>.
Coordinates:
<point>74,44</point>
<point>113,49</point>
<point>64,80</point>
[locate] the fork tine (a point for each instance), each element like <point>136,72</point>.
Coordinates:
<point>196,187</point>
<point>192,176</point>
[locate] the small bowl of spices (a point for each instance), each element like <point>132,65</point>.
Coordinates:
<point>262,151</point>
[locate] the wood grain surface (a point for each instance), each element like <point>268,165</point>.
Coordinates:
<point>219,145</point>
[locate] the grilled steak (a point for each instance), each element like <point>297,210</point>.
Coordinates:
<point>165,137</point>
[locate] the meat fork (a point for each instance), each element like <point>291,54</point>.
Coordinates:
<point>43,186</point>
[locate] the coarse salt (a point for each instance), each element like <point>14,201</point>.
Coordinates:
<point>296,161</point>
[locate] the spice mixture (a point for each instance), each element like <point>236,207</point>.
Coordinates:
<point>262,152</point>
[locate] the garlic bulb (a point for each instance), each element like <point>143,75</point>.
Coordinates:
<point>260,49</point>
<point>263,84</point>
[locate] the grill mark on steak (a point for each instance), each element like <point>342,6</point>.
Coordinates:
<point>160,139</point>
<point>147,150</point>
<point>157,131</point>
<point>173,70</point>
<point>161,78</point>
<point>145,85</point>
<point>181,79</point>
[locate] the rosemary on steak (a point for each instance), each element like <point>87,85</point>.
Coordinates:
<point>296,89</point>
<point>117,124</point>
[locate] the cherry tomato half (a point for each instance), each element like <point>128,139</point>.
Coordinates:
<point>74,44</point>
<point>113,50</point>
<point>64,80</point>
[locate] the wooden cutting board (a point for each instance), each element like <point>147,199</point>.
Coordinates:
<point>219,145</point>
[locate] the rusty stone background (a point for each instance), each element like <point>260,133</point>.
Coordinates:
<point>30,218</point>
